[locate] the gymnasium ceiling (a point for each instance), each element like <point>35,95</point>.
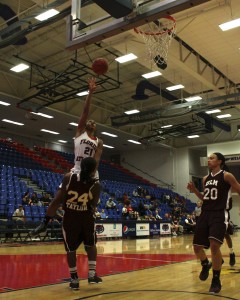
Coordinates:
<point>201,57</point>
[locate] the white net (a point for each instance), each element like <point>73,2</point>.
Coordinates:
<point>157,36</point>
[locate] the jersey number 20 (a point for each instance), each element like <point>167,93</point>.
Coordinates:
<point>210,194</point>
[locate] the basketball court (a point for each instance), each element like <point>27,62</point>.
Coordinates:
<point>157,268</point>
<point>162,267</point>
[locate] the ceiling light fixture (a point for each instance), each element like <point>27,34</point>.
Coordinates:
<point>42,115</point>
<point>62,141</point>
<point>152,74</point>
<point>47,14</point>
<point>109,134</point>
<point>213,111</point>
<point>134,142</point>
<point>175,87</point>
<point>125,58</point>
<point>19,68</point>
<point>166,126</point>
<point>193,98</point>
<point>224,116</point>
<point>230,25</point>
<point>84,93</point>
<point>12,122</point>
<point>73,124</point>
<point>107,146</point>
<point>4,103</point>
<point>193,136</point>
<point>131,112</point>
<point>49,131</point>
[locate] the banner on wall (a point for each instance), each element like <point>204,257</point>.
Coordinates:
<point>142,229</point>
<point>165,228</point>
<point>231,159</point>
<point>128,229</point>
<point>109,230</point>
<point>154,228</point>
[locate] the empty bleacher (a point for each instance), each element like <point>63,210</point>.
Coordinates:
<point>45,168</point>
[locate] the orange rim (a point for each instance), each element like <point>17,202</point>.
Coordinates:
<point>138,31</point>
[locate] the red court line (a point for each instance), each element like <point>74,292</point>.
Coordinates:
<point>26,271</point>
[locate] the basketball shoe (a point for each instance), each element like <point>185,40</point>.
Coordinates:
<point>94,279</point>
<point>74,284</point>
<point>232,260</point>
<point>215,285</point>
<point>205,271</point>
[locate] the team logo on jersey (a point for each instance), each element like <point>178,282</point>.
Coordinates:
<point>99,228</point>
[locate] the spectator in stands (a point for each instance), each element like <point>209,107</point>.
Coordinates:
<point>46,200</point>
<point>135,193</point>
<point>176,227</point>
<point>26,198</point>
<point>135,216</point>
<point>86,143</point>
<point>125,199</point>
<point>151,217</point>
<point>110,204</point>
<point>34,199</point>
<point>167,218</point>
<point>104,216</point>
<point>79,220</point>
<point>157,216</point>
<point>190,224</point>
<point>124,212</point>
<point>18,214</point>
<point>97,214</point>
<point>129,209</point>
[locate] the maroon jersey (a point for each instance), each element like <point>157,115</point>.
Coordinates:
<point>217,193</point>
<point>79,196</point>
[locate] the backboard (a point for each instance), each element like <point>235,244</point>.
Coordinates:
<point>90,23</point>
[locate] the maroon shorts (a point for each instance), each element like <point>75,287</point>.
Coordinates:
<point>78,228</point>
<point>210,225</point>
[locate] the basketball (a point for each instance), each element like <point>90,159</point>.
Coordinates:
<point>100,66</point>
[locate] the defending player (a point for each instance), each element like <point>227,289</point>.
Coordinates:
<point>79,194</point>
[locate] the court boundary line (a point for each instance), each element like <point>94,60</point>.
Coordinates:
<point>168,291</point>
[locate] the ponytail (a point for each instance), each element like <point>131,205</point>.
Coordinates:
<point>88,166</point>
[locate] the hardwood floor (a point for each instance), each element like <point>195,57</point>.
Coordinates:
<point>158,268</point>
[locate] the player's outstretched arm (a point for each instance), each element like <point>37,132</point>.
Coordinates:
<point>84,116</point>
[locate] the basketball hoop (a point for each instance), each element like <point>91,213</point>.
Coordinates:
<point>157,36</point>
